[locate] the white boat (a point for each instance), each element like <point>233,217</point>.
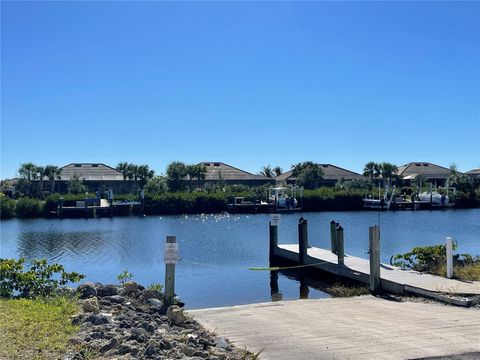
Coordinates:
<point>434,197</point>
<point>285,198</point>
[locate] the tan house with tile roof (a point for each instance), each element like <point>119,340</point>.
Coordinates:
<point>230,175</point>
<point>434,173</point>
<point>94,176</point>
<point>474,174</point>
<point>331,174</point>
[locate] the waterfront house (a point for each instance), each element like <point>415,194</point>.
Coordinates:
<point>218,172</point>
<point>436,174</point>
<point>474,174</point>
<point>331,174</point>
<point>94,176</point>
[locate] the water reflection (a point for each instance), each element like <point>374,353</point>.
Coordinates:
<point>57,245</point>
<point>217,250</point>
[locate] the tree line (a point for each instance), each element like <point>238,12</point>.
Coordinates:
<point>180,177</point>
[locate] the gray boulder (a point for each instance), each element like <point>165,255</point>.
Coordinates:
<point>106,290</point>
<point>175,314</point>
<point>116,299</point>
<point>87,290</point>
<point>90,305</point>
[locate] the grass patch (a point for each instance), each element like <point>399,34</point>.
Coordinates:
<point>35,329</point>
<point>340,290</point>
<point>469,272</point>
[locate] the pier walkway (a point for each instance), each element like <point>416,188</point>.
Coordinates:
<point>347,328</point>
<point>393,279</point>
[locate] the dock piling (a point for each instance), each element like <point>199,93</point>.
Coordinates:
<point>340,245</point>
<point>374,244</point>
<point>170,275</point>
<point>273,232</point>
<point>333,236</point>
<point>449,257</point>
<point>302,241</point>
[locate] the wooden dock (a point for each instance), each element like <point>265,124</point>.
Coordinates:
<point>390,278</point>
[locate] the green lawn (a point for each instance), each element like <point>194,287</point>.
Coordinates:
<point>35,329</point>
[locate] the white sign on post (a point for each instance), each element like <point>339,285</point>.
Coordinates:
<point>275,219</point>
<point>171,253</point>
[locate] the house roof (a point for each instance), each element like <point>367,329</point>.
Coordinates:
<point>91,172</point>
<point>215,170</point>
<point>429,170</point>
<point>330,172</point>
<point>473,172</point>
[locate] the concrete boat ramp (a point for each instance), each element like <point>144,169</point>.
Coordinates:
<point>362,328</point>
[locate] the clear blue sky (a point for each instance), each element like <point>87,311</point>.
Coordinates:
<point>248,83</point>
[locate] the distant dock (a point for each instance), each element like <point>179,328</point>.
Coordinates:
<point>89,208</point>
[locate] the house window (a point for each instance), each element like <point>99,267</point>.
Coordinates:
<point>78,165</point>
<point>425,164</point>
<point>418,164</point>
<point>325,166</point>
<point>216,164</point>
<point>94,165</point>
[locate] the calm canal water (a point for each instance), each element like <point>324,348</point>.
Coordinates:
<point>217,250</point>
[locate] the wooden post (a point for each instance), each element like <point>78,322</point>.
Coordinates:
<point>449,257</point>
<point>273,232</point>
<point>169,274</point>
<point>304,290</point>
<point>340,245</point>
<point>302,241</point>
<point>374,243</point>
<point>333,236</point>
<point>60,208</point>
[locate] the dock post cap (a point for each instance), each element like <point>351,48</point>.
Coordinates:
<point>339,227</point>
<point>332,222</point>
<point>302,221</point>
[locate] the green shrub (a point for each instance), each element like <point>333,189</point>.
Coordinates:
<point>28,208</point>
<point>421,258</point>
<point>156,287</point>
<point>185,203</point>
<point>330,199</point>
<point>42,279</point>
<point>7,207</point>
<point>124,277</point>
<point>465,200</point>
<point>432,259</point>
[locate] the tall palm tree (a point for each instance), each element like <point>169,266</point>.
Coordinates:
<point>388,171</point>
<point>144,174</point>
<point>308,174</point>
<point>132,172</point>
<point>277,170</point>
<point>53,173</point>
<point>267,171</point>
<point>27,172</point>
<point>123,168</point>
<point>40,173</point>
<point>371,169</point>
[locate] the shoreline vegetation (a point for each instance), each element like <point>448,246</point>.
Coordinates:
<point>184,189</point>
<point>40,318</point>
<point>432,260</point>
<point>198,202</point>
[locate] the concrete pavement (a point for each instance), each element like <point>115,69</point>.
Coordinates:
<point>347,328</point>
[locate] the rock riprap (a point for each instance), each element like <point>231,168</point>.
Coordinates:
<point>131,322</point>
